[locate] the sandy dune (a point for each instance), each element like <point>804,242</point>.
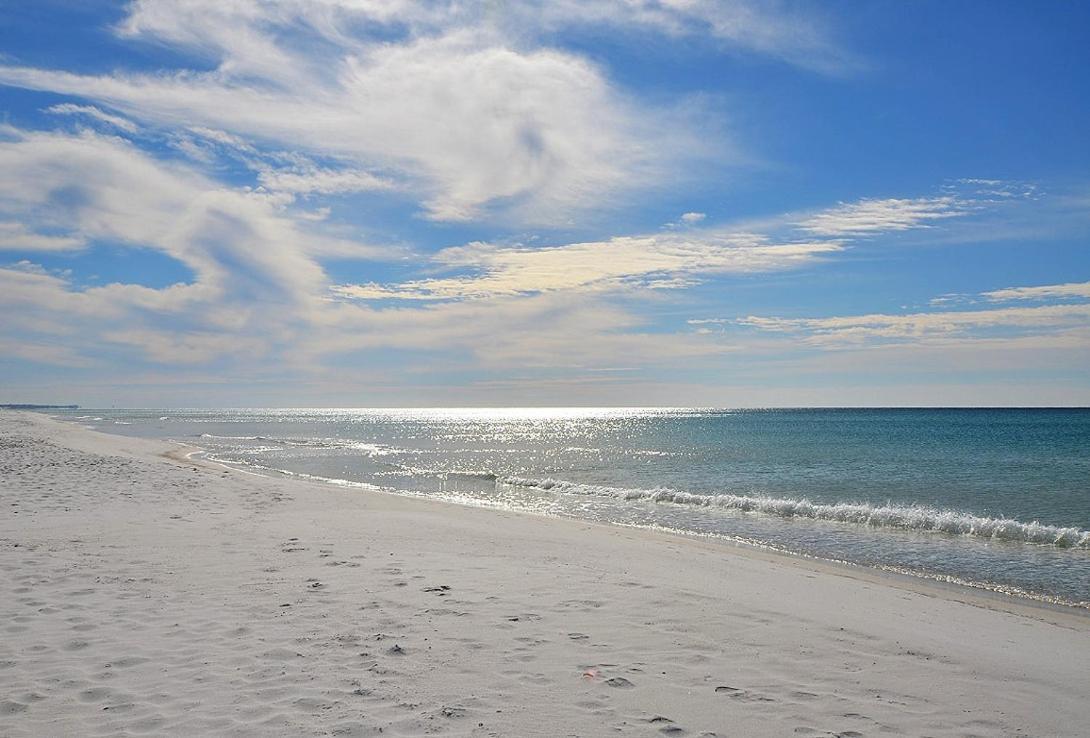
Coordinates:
<point>151,595</point>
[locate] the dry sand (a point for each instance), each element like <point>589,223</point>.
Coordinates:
<point>143,594</point>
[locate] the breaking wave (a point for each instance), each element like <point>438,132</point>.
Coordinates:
<point>914,518</point>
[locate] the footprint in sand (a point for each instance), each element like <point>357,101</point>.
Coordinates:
<point>95,694</point>
<point>9,707</point>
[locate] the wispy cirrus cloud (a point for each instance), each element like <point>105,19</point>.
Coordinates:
<point>316,180</point>
<point>771,29</point>
<point>682,255</point>
<point>1043,292</point>
<point>925,325</point>
<point>1068,291</point>
<point>257,291</point>
<point>666,260</point>
<point>1065,322</point>
<point>871,216</point>
<point>248,256</point>
<point>90,111</point>
<point>468,109</point>
<point>466,124</point>
<point>258,287</point>
<point>240,29</point>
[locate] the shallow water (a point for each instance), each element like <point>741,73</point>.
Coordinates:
<point>992,498</point>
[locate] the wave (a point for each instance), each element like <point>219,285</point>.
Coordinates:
<point>485,475</point>
<point>914,518</point>
<point>370,449</point>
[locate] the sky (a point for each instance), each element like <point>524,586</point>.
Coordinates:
<point>609,202</point>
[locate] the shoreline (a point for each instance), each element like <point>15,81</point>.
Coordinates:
<point>973,593</point>
<point>251,604</point>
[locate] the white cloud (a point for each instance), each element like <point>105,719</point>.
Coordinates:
<point>43,352</point>
<point>190,347</point>
<point>999,190</point>
<point>257,293</point>
<point>660,260</point>
<point>773,29</point>
<point>1043,292</point>
<point>321,181</point>
<point>1067,291</point>
<point>461,100</point>
<point>872,216</point>
<point>927,326</point>
<point>239,30</point>
<point>470,123</point>
<point>249,259</point>
<point>562,330</point>
<point>91,111</point>
<point>676,258</point>
<point>17,237</point>
<point>97,187</point>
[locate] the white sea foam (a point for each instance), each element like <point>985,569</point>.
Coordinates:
<point>232,438</point>
<point>916,518</point>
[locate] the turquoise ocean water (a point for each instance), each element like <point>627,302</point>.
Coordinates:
<point>998,499</point>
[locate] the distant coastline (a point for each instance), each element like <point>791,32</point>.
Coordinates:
<point>38,407</point>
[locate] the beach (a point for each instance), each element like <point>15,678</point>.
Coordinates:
<point>148,592</point>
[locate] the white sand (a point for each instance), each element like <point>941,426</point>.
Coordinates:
<point>144,595</point>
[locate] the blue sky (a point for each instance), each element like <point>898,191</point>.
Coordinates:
<point>352,202</point>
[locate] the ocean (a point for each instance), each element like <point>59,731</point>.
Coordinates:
<point>997,499</point>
